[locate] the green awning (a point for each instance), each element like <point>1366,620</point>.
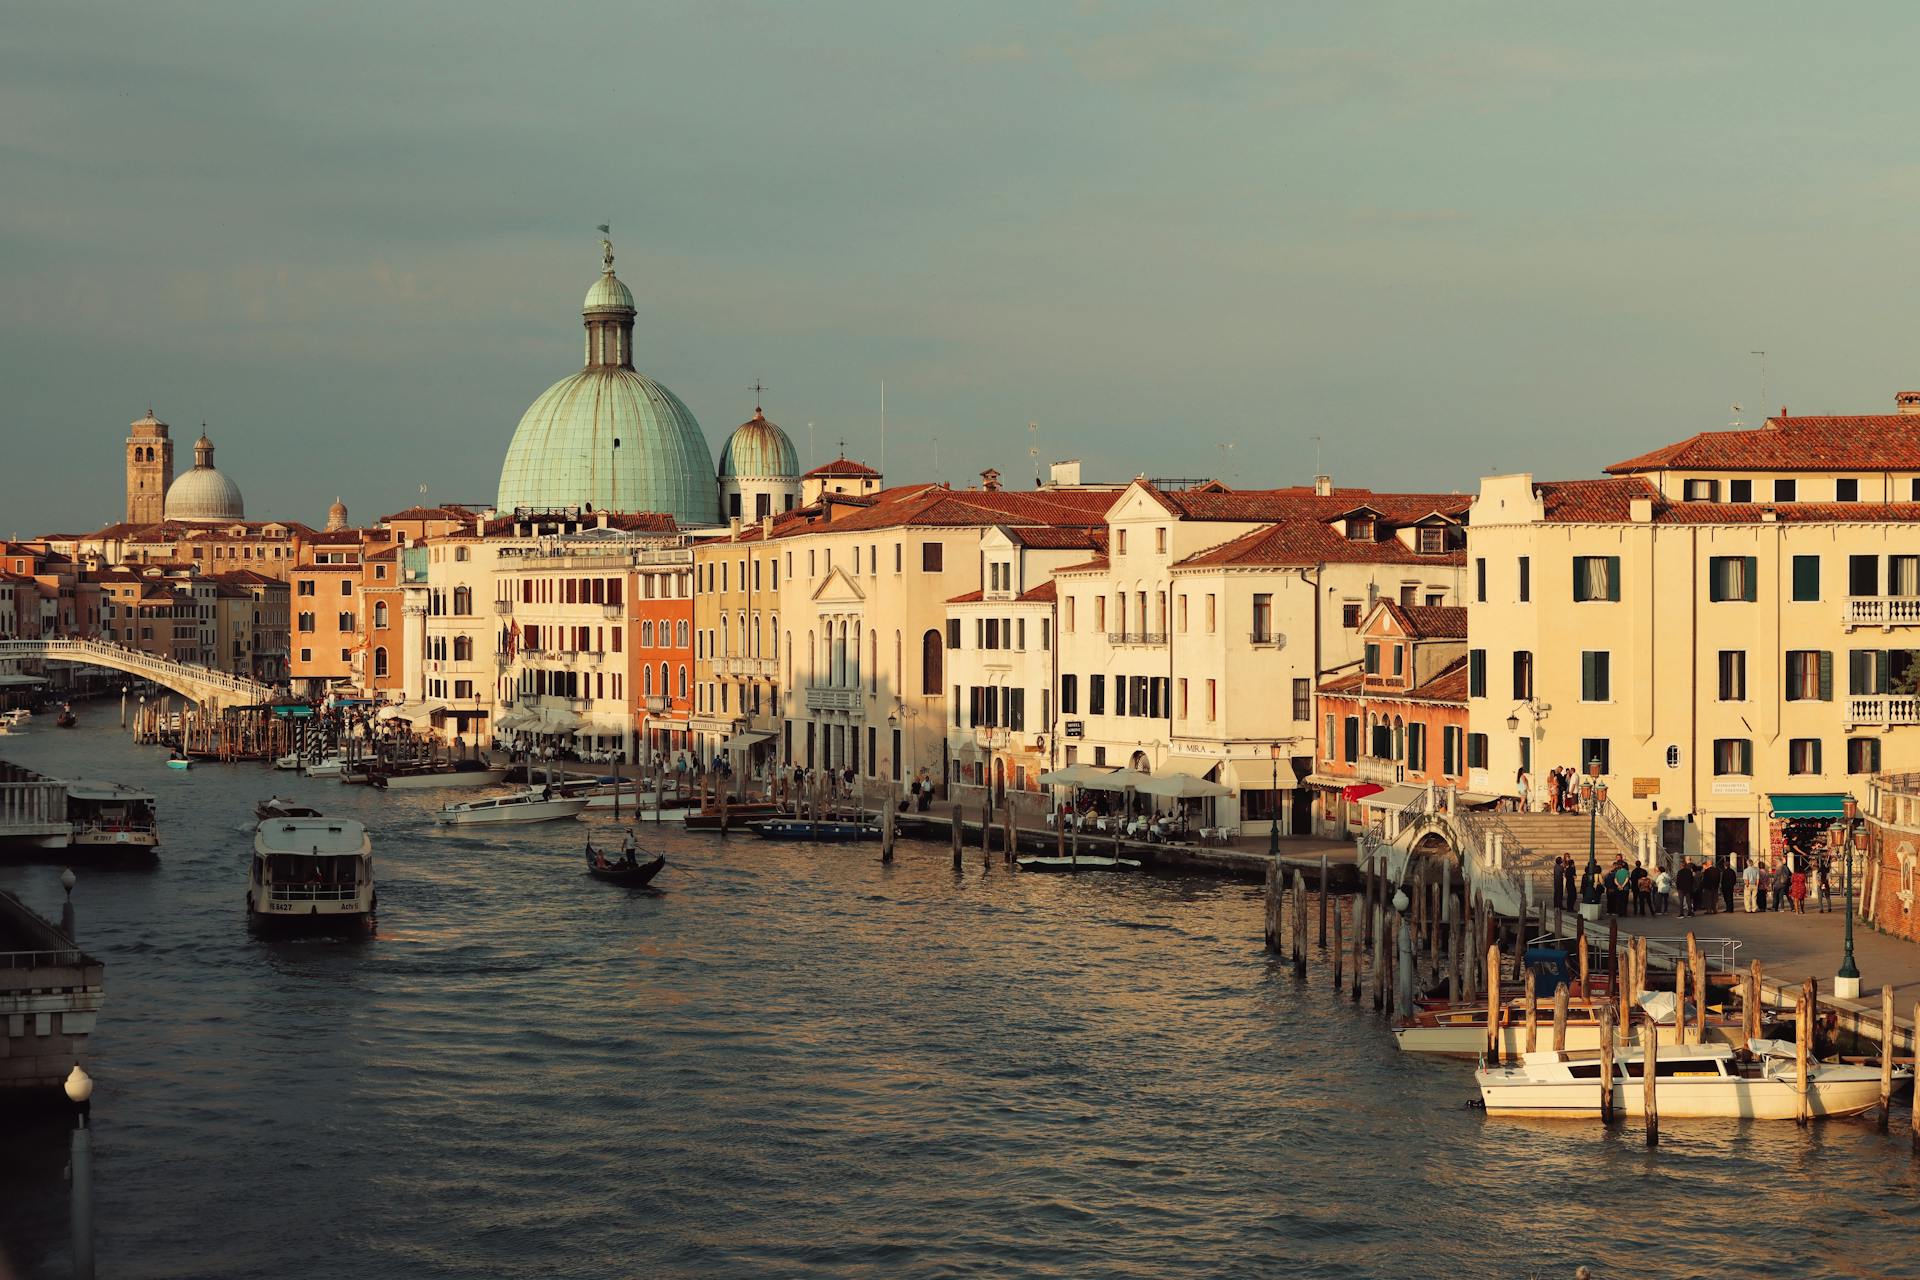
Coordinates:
<point>1828,806</point>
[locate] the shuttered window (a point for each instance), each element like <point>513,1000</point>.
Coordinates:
<point>1596,578</point>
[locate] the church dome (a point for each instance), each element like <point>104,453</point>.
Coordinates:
<point>759,450</point>
<point>204,493</point>
<point>336,516</point>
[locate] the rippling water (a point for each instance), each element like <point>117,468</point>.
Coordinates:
<point>796,1062</point>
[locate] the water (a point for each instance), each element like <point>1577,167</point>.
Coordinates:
<point>795,1062</point>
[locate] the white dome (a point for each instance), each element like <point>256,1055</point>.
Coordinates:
<point>204,493</point>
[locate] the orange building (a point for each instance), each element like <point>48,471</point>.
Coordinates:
<point>660,621</point>
<point>1400,721</point>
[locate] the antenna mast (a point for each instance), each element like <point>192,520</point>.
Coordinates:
<point>883,426</point>
<point>1033,450</point>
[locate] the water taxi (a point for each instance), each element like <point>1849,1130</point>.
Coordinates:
<point>435,773</point>
<point>312,873</point>
<point>1460,1031</point>
<point>1690,1082</point>
<point>825,830</point>
<point>521,806</point>
<point>108,817</point>
<point>1082,862</point>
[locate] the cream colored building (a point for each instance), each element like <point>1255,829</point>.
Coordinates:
<point>736,626</point>
<point>1714,656</point>
<point>1195,645</point>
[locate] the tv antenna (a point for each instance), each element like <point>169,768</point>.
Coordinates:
<point>1226,457</point>
<point>1033,450</point>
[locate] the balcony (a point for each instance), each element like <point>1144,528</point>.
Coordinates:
<point>503,607</point>
<point>612,612</point>
<point>749,668</point>
<point>1379,769</point>
<point>1138,639</point>
<point>1267,640</point>
<point>1884,709</point>
<point>657,703</point>
<point>828,698</point>
<point>1886,612</point>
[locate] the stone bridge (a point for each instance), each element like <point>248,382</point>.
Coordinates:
<point>198,684</point>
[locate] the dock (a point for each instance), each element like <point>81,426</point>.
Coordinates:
<point>50,995</point>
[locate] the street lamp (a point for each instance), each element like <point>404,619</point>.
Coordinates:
<point>1593,793</point>
<point>1273,835</point>
<point>79,1090</point>
<point>1841,837</point>
<point>1536,710</point>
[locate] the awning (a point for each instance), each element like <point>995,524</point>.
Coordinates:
<point>747,741</point>
<point>421,712</point>
<point>1192,766</point>
<point>516,718</point>
<point>1181,786</point>
<point>1832,807</point>
<point>1396,797</point>
<point>1118,780</point>
<point>558,720</point>
<point>1077,775</point>
<point>1257,775</point>
<point>1359,791</point>
<point>11,682</point>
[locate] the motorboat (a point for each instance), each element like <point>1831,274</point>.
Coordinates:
<point>312,873</point>
<point>738,815</point>
<point>1690,1081</point>
<point>1460,1030</point>
<point>520,806</point>
<point>329,767</point>
<point>619,871</point>
<point>17,717</point>
<point>275,807</point>
<point>436,773</point>
<point>825,830</point>
<point>111,818</point>
<point>179,762</point>
<point>1050,862</point>
<point>289,762</point>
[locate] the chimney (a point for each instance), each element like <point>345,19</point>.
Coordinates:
<point>733,529</point>
<point>1064,474</point>
<point>1908,402</point>
<point>766,528</point>
<point>601,519</point>
<point>990,480</point>
<point>1322,486</point>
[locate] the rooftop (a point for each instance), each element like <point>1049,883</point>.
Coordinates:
<point>1819,442</point>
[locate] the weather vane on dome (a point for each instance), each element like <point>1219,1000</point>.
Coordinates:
<point>606,248</point>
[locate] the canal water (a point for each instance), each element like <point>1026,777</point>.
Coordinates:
<point>793,1061</point>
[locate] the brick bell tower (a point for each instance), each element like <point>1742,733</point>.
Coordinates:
<point>149,470</point>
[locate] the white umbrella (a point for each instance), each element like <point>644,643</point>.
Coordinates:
<point>1076,775</point>
<point>1181,786</point>
<point>1118,780</point>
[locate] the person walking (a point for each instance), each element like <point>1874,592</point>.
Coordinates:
<point>1826,884</point>
<point>1662,888</point>
<point>1782,882</point>
<point>1709,887</point>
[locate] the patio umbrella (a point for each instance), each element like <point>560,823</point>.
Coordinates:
<point>1076,775</point>
<point>1118,780</point>
<point>1181,786</point>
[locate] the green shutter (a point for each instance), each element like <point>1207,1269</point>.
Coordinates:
<point>1579,590</point>
<point>1826,675</point>
<point>1816,756</point>
<point>1883,671</point>
<point>1613,577</point>
<point>1806,577</point>
<point>1752,577</point>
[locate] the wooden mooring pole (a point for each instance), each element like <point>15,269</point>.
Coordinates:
<point>959,832</point>
<point>1560,1018</point>
<point>1533,1013</point>
<point>1649,1077</point>
<point>1339,952</point>
<point>1606,1063</point>
<point>1886,1054</point>
<point>1324,883</point>
<point>1493,1005</point>
<point>1299,924</point>
<point>1359,933</point>
<point>1272,919</point>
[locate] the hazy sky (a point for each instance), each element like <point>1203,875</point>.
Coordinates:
<point>1446,238</point>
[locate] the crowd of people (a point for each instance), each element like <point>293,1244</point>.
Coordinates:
<point>1626,888</point>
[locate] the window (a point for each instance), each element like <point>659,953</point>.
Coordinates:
<point>1262,618</point>
<point>1732,577</point>
<point>463,648</point>
<point>1783,490</point>
<point>1526,579</point>
<point>1846,490</point>
<point>1433,542</point>
<point>1450,749</point>
<point>1867,672</point>
<point>1733,756</point>
<point>1211,611</point>
<point>1803,755</point>
<point>1480,579</point>
<point>1476,673</point>
<point>1733,675</point>
<point>1595,578</point>
<point>1350,739</point>
<point>1903,576</point>
<point>1213,699</point>
<point>1702,491</point>
<point>1333,744</point>
<point>1180,613</point>
<point>1476,751</point>
<point>931,557</point>
<point>306,655</point>
<point>305,622</point>
<point>304,587</point>
<point>1863,755</point>
<point>1099,613</point>
<point>1806,577</point>
<point>1592,749</point>
<point>1160,541</point>
<point>931,660</point>
<point>1302,699</point>
<point>343,622</point>
<point>1372,665</point>
<point>1809,675</point>
<point>1522,674</point>
<point>1120,542</point>
<point>1416,747</point>
<point>1399,659</point>
<point>1739,491</point>
<point>1070,615</point>
<point>346,587</point>
<point>1096,695</point>
<point>1349,614</point>
<point>380,614</point>
<point>1596,683</point>
<point>1069,695</point>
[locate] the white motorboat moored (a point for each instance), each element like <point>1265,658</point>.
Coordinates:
<point>311,873</point>
<point>1690,1081</point>
<point>327,768</point>
<point>521,806</point>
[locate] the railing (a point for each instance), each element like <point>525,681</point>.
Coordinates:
<point>740,666</point>
<point>1378,769</point>
<point>1137,637</point>
<point>42,959</point>
<point>503,607</point>
<point>313,892</point>
<point>657,703</point>
<point>829,698</point>
<point>1268,637</point>
<point>140,661</point>
<point>1884,611</point>
<point>1884,709</point>
<point>1622,828</point>
<point>613,612</point>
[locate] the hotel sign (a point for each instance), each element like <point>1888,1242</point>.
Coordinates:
<point>1073,728</point>
<point>1645,787</point>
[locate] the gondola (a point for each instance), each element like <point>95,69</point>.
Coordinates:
<point>66,720</point>
<point>633,875</point>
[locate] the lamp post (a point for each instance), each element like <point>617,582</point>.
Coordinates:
<point>123,706</point>
<point>1593,792</point>
<point>1536,710</point>
<point>79,1088</point>
<point>1840,838</point>
<point>1273,834</point>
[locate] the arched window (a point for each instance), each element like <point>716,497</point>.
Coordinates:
<point>932,656</point>
<point>726,633</point>
<point>462,601</point>
<point>463,648</point>
<point>873,661</point>
<point>773,635</point>
<point>380,614</point>
<point>683,682</point>
<point>380,660</point>
<point>666,687</point>
<point>646,680</point>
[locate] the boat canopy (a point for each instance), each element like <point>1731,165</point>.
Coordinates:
<point>82,789</point>
<point>1831,806</point>
<point>324,837</point>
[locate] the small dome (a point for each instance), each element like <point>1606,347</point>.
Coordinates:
<point>608,294</point>
<point>336,516</point>
<point>759,450</point>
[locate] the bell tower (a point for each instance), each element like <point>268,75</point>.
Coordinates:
<point>149,470</point>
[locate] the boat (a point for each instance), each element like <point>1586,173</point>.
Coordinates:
<point>1460,1031</point>
<point>329,767</point>
<point>179,762</point>
<point>738,815</point>
<point>632,874</point>
<point>826,830</point>
<point>436,773</point>
<point>1690,1082</point>
<point>111,818</point>
<point>66,719</point>
<point>275,807</point>
<point>1050,862</point>
<point>287,762</point>
<point>17,717</point>
<point>312,873</point>
<point>521,806</point>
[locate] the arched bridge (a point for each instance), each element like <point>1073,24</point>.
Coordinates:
<point>199,684</point>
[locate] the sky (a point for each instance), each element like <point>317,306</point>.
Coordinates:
<point>1405,244</point>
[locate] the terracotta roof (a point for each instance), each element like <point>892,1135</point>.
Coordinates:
<point>430,513</point>
<point>1215,501</point>
<point>1610,502</point>
<point>1045,591</point>
<point>967,597</point>
<point>1096,565</point>
<point>1063,538</point>
<point>1449,686</point>
<point>938,506</point>
<point>1591,501</point>
<point>1037,595</point>
<point>246,578</point>
<point>1429,621</point>
<point>1310,541</point>
<point>1837,442</point>
<point>625,521</point>
<point>842,467</point>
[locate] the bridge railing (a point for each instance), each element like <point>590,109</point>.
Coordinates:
<point>137,660</point>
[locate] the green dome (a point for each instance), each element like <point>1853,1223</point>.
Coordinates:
<point>564,453</point>
<point>759,450</point>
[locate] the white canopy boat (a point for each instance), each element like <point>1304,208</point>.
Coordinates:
<point>1691,1081</point>
<point>1084,862</point>
<point>106,814</point>
<point>327,768</point>
<point>312,873</point>
<point>521,806</point>
<point>1461,1031</point>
